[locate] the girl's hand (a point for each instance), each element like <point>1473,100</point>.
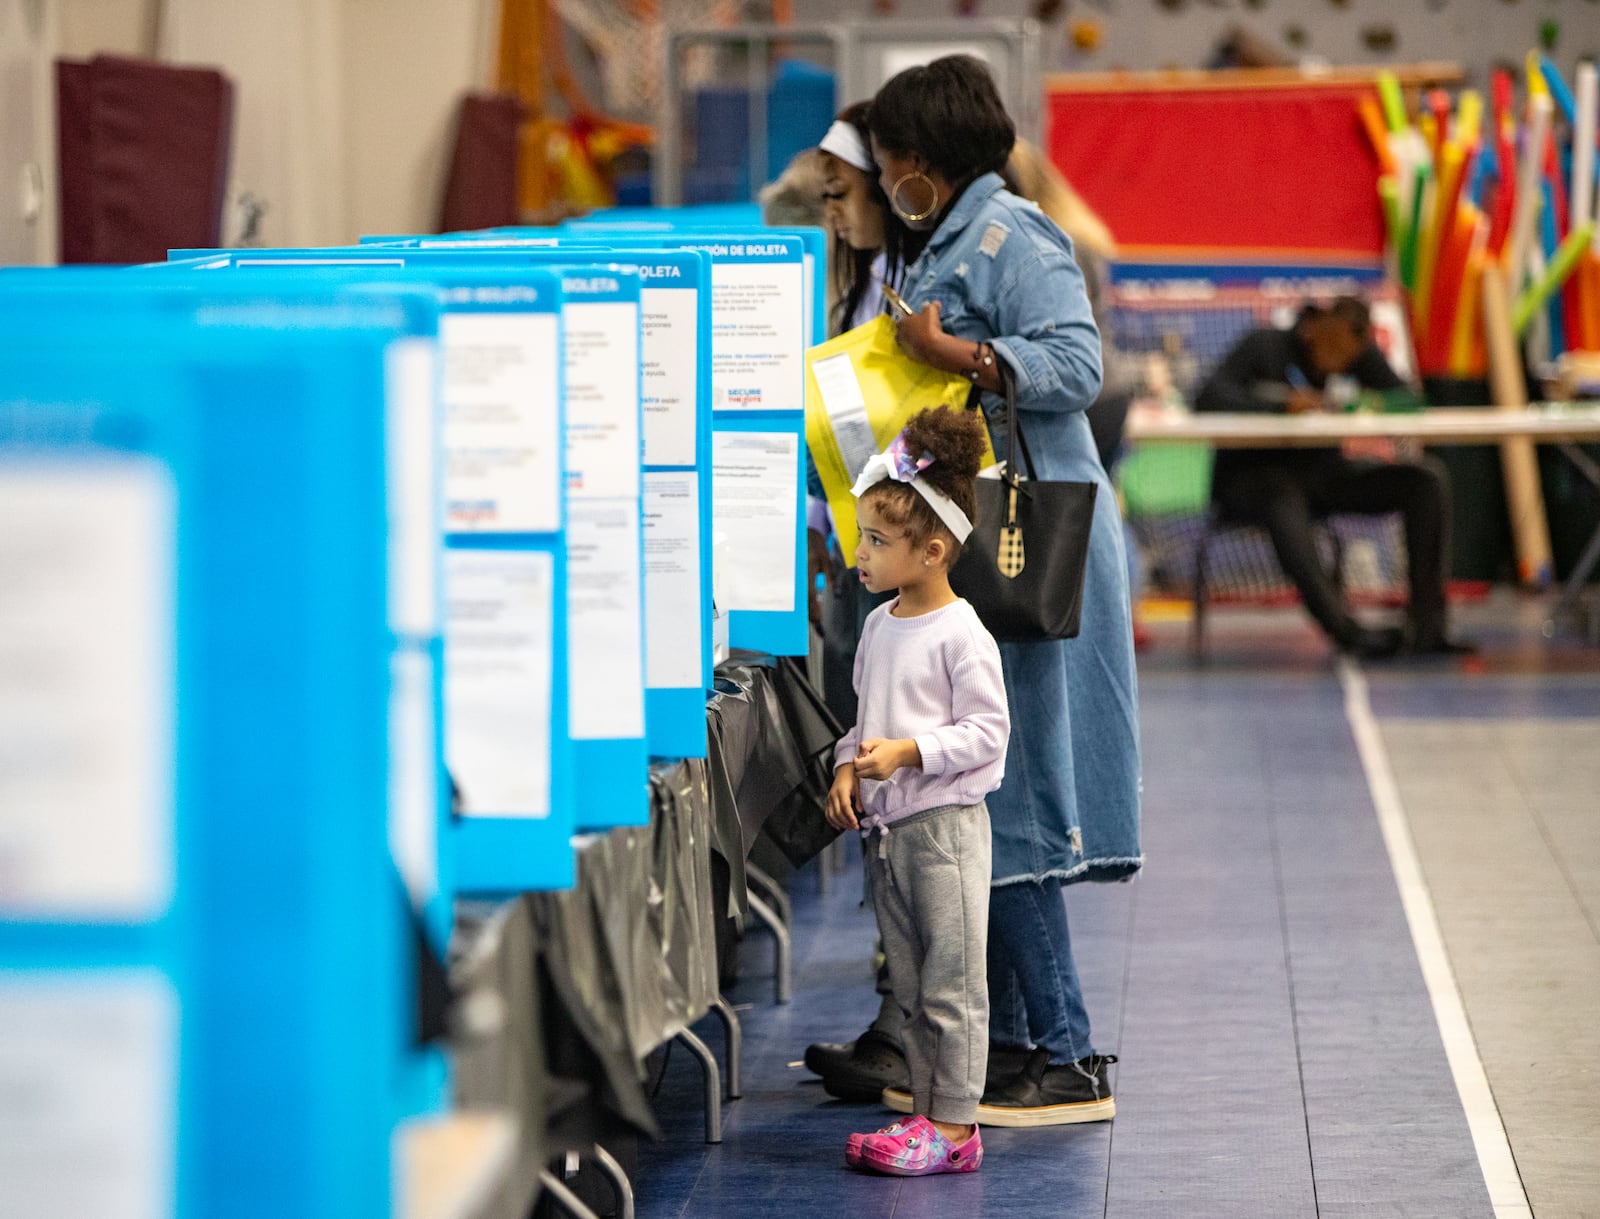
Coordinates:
<point>879,759</point>
<point>844,799</point>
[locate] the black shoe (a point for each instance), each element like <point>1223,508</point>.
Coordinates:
<point>1006,1062</point>
<point>861,1070</point>
<point>1373,643</point>
<point>826,1057</point>
<point>1045,1095</point>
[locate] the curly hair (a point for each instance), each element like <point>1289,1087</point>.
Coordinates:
<point>955,439</point>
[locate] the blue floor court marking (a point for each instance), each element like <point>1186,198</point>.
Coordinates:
<point>1279,1052</point>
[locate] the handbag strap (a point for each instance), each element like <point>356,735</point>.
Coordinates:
<point>1016,441</point>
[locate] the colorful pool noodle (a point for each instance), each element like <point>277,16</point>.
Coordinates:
<point>1394,106</point>
<point>1549,243</point>
<point>1447,192</point>
<point>1377,135</point>
<point>1583,137</point>
<point>1409,242</point>
<point>1524,496</point>
<point>1389,194</point>
<point>1466,327</point>
<point>1560,266</point>
<point>1485,169</point>
<point>1533,73</point>
<point>1525,207</point>
<point>1439,107</point>
<point>1455,249</point>
<point>1429,127</point>
<point>1589,300</point>
<point>1556,199</point>
<point>1504,141</point>
<point>1469,118</point>
<point>1557,85</point>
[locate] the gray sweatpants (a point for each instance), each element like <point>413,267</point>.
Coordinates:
<point>929,877</point>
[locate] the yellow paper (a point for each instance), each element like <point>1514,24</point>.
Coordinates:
<point>861,388</point>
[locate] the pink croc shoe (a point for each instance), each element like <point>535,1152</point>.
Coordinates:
<point>852,1145</point>
<point>915,1148</point>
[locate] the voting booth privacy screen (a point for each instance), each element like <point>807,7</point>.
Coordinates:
<point>201,901</point>
<point>342,584</point>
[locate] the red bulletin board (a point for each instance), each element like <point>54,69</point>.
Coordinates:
<point>1184,162</point>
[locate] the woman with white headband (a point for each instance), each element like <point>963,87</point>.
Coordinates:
<point>928,746</point>
<point>870,245</point>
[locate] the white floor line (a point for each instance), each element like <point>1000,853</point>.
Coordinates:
<point>1499,1167</point>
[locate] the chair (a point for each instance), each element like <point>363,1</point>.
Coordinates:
<point>1217,525</point>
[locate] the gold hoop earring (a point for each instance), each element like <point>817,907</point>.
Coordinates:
<point>911,217</point>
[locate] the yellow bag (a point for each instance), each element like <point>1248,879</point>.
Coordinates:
<point>860,390</point>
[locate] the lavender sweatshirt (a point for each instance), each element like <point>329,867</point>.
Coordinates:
<point>934,679</point>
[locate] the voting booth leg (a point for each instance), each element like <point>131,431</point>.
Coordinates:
<point>780,941</point>
<point>733,1041</point>
<point>570,1202</point>
<point>619,1180</point>
<point>708,1064</point>
<point>769,885</point>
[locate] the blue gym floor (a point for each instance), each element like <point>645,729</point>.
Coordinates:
<point>1280,1054</point>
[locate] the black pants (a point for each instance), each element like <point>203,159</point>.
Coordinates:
<point>1284,498</point>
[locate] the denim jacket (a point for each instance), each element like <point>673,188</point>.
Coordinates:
<point>1003,273</point>
<point>1068,809</point>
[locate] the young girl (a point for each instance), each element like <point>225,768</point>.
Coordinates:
<point>929,744</point>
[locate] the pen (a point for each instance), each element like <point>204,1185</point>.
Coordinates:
<point>898,301</point>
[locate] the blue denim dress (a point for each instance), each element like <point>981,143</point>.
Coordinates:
<point>1003,273</point>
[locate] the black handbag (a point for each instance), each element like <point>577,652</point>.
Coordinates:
<point>1022,567</point>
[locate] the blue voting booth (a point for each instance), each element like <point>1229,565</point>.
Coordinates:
<point>419,806</point>
<point>758,428</point>
<point>386,517</point>
<point>203,937</point>
<point>675,354</point>
<point>501,844</point>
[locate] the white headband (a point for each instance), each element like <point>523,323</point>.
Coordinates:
<point>897,464</point>
<point>845,142</point>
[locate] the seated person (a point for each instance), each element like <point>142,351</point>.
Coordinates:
<point>1283,490</point>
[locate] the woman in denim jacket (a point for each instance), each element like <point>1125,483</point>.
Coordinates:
<point>997,282</point>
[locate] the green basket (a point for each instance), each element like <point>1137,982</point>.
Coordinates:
<point>1165,479</point>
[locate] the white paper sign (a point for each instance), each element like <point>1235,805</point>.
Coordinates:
<point>846,407</point>
<point>758,329</point>
<point>670,328</point>
<point>502,423</point>
<point>89,1080</point>
<point>755,487</point>
<point>413,463</point>
<point>603,443</point>
<point>605,635</point>
<point>499,645</point>
<point>672,645</point>
<point>413,774</point>
<point>88,576</point>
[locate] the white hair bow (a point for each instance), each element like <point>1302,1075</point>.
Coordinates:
<point>897,463</point>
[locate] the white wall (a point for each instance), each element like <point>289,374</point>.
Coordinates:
<point>107,27</point>
<point>406,65</point>
<point>28,208</point>
<point>344,109</point>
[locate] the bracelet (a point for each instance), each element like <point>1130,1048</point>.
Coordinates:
<point>983,357</point>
